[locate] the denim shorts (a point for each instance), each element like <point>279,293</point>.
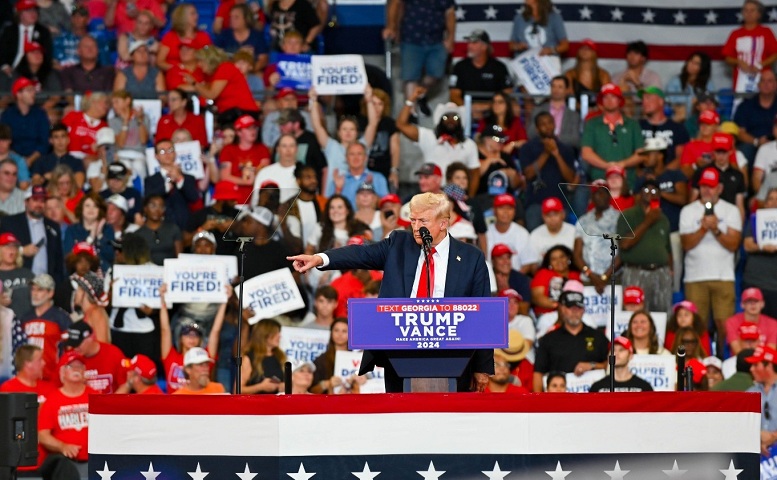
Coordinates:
<point>418,60</point>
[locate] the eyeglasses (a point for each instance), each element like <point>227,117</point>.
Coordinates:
<point>613,136</point>
<point>169,150</point>
<point>651,191</point>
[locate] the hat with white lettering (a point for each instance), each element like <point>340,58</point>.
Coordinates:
<point>655,144</point>
<point>763,353</point>
<point>196,356</point>
<point>204,235</point>
<point>262,215</point>
<point>118,201</point>
<point>136,45</point>
<point>298,364</point>
<point>698,368</point>
<point>571,299</point>
<point>92,285</point>
<point>749,331</point>
<point>633,295</point>
<point>516,348</point>
<point>77,333</point>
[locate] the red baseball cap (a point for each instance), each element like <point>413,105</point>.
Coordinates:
<point>83,247</point>
<point>624,342</point>
<point>224,190</point>
<point>763,353</point>
<point>633,295</point>
<point>8,239</point>
<point>752,293</point>
<point>552,204</point>
<point>710,177</point>
<point>699,370</point>
<point>504,199</point>
<point>615,170</point>
<point>510,293</point>
<point>140,364</point>
<point>285,92</point>
<point>610,89</point>
<point>356,240</point>
<point>501,249</point>
<point>244,122</point>
<point>38,191</point>
<point>749,331</point>
<point>32,47</point>
<point>429,169</point>
<point>20,84</point>
<point>709,117</point>
<point>69,357</point>
<point>390,198</point>
<point>26,5</point>
<point>722,141</point>
<point>686,304</point>
<point>587,42</point>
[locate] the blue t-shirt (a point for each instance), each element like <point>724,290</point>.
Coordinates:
<point>751,116</point>
<point>226,41</point>
<point>674,133</point>
<point>545,185</point>
<point>668,181</point>
<point>423,21</point>
<point>536,35</point>
<point>49,161</point>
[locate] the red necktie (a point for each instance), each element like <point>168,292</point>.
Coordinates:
<point>422,291</point>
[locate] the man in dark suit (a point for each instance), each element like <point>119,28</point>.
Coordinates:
<point>459,271</point>
<point>25,30</point>
<point>178,188</point>
<point>39,236</point>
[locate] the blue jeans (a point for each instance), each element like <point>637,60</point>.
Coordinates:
<point>418,60</point>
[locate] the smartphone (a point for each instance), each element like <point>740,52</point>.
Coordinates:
<point>388,214</point>
<point>707,157</point>
<point>41,242</point>
<point>708,209</point>
<point>275,379</point>
<point>655,204</point>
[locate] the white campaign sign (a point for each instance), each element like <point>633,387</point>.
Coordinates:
<point>536,71</point>
<point>338,74</point>
<point>304,344</point>
<point>152,109</point>
<point>272,294</point>
<point>597,307</point>
<point>658,370</point>
<point>765,226</point>
<point>582,384</point>
<point>187,155</point>
<point>622,323</point>
<point>136,285</point>
<point>229,261</point>
<point>189,282</point>
<point>347,364</point>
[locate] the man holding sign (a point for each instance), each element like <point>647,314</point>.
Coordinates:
<point>458,270</point>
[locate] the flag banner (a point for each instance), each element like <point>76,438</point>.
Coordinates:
<point>705,435</point>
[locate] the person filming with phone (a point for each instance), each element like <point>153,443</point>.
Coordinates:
<point>710,231</point>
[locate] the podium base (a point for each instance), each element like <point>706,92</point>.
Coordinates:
<point>420,385</point>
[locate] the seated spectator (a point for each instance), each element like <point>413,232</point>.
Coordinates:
<point>755,115</point>
<point>566,122</point>
<point>117,177</point>
<point>231,103</point>
<point>14,277</point>
<point>88,75</point>
<point>708,233</point>
<point>509,279</point>
<point>281,173</point>
<point>104,373</point>
<point>297,15</point>
<point>11,197</point>
<point>480,72</point>
<point>655,124</point>
<point>765,376</point>
<point>686,315</point>
<point>140,78</point>
<point>625,381</point>
<point>741,380</point>
<point>574,347</point>
<point>241,162</point>
<point>586,77</point>
<point>554,230</point>
<point>245,63</point>
<point>752,304</point>
<point>643,335</point>
<point>556,382</point>
<point>143,32</point>
<point>493,159</point>
<point>81,260</point>
<point>141,375</point>
<point>761,262</point>
<point>262,369</point>
<point>122,15</point>
<point>731,178</point>
<point>620,193</point>
<point>690,339</point>
<point>683,89</point>
<point>178,189</point>
<point>197,366</point>
<point>83,126</point>
<point>525,325</point>
<point>178,76</point>
<point>26,28</point>
<point>335,228</point>
<point>162,237</point>
<point>714,371</point>
<point>322,316</point>
<point>28,363</point>
<point>539,25</point>
<point>556,268</point>
<point>90,227</point>
<point>33,68</point>
<point>22,174</point>
<point>637,76</point>
<point>63,185</point>
<point>42,168</point>
<point>184,28</point>
<point>592,252</point>
<point>181,116</point>
<point>324,378</point>
<point>301,376</point>
<point>505,230</point>
<point>242,34</point>
<point>500,382</point>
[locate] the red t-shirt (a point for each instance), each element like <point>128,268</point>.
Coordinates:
<point>45,331</point>
<point>695,149</point>
<point>245,164</point>
<point>622,203</point>
<point>194,124</point>
<point>510,389</point>
<point>104,373</point>
<point>83,133</point>
<point>751,46</point>
<point>348,286</point>
<point>172,41</point>
<point>125,24</point>
<point>152,390</point>
<point>68,420</point>
<point>173,363</point>
<point>767,327</point>
<point>551,283</point>
<point>176,76</point>
<point>43,388</point>
<point>236,94</point>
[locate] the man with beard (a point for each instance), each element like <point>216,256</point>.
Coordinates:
<point>40,237</point>
<point>197,369</point>
<point>446,143</point>
<point>574,347</point>
<point>303,214</point>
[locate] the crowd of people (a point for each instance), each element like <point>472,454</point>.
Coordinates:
<point>653,161</point>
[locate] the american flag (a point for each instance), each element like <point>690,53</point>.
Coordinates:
<point>649,436</point>
<point>672,28</point>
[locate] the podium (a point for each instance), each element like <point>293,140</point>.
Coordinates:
<point>427,341</point>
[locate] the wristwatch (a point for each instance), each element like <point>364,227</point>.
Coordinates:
<point>604,277</point>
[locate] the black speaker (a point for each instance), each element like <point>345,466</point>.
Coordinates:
<point>18,429</point>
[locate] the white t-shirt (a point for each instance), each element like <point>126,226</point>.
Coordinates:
<point>443,154</point>
<point>517,238</point>
<point>542,240</point>
<point>709,260</point>
<point>341,236</point>
<point>766,158</point>
<point>283,176</point>
<point>525,325</point>
<point>463,230</point>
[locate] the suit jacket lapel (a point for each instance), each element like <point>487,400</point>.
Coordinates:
<point>411,253</point>
<point>451,277</point>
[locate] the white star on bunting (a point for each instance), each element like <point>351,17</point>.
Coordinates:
<point>198,474</point>
<point>246,475</point>
<point>558,473</point>
<point>585,13</point>
<point>674,472</point>
<point>617,474</point>
<point>679,17</point>
<point>711,17</point>
<point>460,14</point>
<point>773,15</point>
<point>150,474</point>
<point>365,474</point>
<point>496,473</point>
<point>617,14</point>
<point>430,473</point>
<point>739,17</point>
<point>731,473</point>
<point>105,474</point>
<point>648,16</point>
<point>301,473</point>
<point>490,12</point>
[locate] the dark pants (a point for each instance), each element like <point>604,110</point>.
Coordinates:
<point>59,467</point>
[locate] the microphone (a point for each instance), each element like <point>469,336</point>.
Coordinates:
<point>681,368</point>
<point>426,237</point>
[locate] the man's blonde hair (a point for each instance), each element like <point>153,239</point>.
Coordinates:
<point>437,202</point>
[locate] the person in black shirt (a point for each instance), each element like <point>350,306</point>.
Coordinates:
<point>216,218</point>
<point>625,381</point>
<point>732,179</point>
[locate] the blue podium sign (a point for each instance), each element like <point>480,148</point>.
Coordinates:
<point>427,323</point>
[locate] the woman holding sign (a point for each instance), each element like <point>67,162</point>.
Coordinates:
<point>761,261</point>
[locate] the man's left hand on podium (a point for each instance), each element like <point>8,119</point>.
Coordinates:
<point>479,382</point>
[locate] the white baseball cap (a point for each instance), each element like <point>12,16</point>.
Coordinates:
<point>196,356</point>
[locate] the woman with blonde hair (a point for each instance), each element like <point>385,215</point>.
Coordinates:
<point>185,30</point>
<point>233,102</point>
<point>262,368</point>
<point>63,185</point>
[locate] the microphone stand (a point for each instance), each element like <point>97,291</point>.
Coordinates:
<point>426,266</point>
<point>613,249</point>
<point>238,354</point>
<point>681,368</point>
